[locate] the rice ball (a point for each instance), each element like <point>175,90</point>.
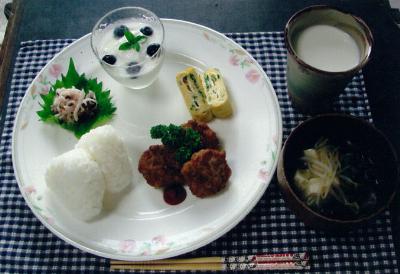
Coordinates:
<point>78,183</point>
<point>107,148</point>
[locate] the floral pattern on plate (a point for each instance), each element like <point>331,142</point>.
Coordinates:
<point>238,58</point>
<point>99,237</point>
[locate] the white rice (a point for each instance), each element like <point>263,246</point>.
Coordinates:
<point>107,148</point>
<point>78,182</point>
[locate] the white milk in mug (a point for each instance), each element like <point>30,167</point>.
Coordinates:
<point>326,48</point>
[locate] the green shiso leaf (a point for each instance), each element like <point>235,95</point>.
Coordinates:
<point>105,108</point>
<point>72,74</point>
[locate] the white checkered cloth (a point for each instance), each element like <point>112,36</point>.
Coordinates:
<point>26,246</point>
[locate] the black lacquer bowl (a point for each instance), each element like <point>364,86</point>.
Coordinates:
<point>337,127</point>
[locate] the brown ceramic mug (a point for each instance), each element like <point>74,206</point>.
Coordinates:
<point>326,47</point>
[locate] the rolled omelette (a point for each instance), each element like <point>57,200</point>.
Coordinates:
<point>216,93</point>
<point>191,87</point>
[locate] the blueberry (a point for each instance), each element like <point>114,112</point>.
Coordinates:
<point>109,59</point>
<point>119,31</point>
<point>146,31</point>
<point>133,68</point>
<point>152,49</point>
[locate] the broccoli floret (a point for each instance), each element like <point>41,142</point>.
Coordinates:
<point>185,141</point>
<point>175,136</point>
<point>157,132</point>
<point>183,154</point>
<point>192,139</point>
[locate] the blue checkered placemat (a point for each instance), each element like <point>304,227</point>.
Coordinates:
<point>26,246</point>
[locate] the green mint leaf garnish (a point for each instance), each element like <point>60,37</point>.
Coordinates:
<point>125,46</point>
<point>136,47</point>
<point>130,36</point>
<point>139,38</point>
<point>133,41</point>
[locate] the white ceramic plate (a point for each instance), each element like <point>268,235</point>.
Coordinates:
<point>139,225</point>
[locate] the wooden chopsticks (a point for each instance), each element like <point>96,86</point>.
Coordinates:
<point>285,261</point>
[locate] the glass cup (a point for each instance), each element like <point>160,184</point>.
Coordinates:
<point>129,44</point>
<point>326,47</point>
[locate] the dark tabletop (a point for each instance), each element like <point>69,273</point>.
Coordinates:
<point>44,19</point>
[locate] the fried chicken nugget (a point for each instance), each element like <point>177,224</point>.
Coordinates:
<point>208,137</point>
<point>207,172</point>
<point>159,167</point>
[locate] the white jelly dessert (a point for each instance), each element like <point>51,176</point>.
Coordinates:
<point>131,50</point>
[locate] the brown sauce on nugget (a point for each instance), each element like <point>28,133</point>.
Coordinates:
<point>174,195</point>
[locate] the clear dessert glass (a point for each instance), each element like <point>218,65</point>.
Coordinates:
<point>128,42</point>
